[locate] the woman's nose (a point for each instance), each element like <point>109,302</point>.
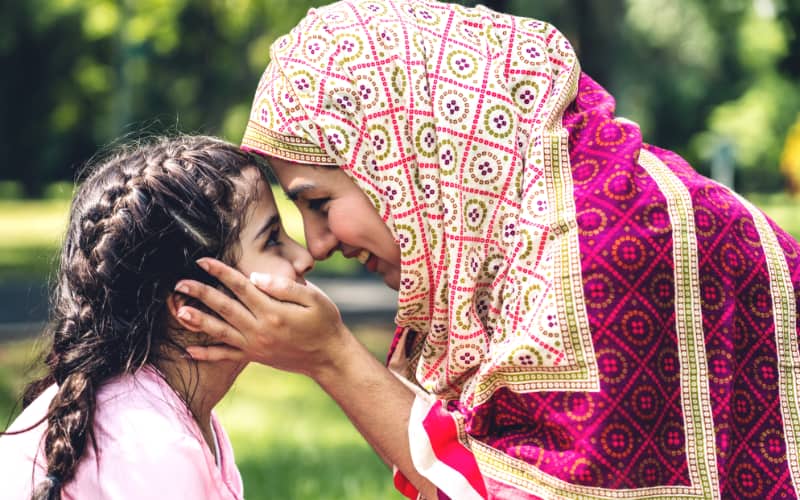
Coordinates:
<point>320,242</point>
<point>301,259</point>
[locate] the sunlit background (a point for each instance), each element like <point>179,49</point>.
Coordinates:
<point>718,81</point>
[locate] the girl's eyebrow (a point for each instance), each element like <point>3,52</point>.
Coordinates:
<point>275,219</point>
<point>296,191</point>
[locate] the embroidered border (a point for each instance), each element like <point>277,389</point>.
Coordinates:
<point>287,147</point>
<point>785,314</point>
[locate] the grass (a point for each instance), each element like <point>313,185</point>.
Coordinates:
<point>290,440</point>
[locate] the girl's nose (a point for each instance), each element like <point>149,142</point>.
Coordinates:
<point>301,259</point>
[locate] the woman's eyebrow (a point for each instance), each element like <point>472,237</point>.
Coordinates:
<point>296,191</point>
<point>275,219</point>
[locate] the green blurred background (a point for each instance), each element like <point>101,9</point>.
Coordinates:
<point>718,81</point>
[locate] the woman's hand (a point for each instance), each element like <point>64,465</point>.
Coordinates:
<point>291,326</point>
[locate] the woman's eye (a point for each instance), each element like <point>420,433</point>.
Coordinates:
<point>317,204</point>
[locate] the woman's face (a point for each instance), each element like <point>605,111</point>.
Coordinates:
<point>337,215</point>
<point>264,245</point>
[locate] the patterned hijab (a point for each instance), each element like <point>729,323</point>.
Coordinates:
<point>449,119</point>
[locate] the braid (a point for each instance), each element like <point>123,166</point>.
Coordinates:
<point>137,224</point>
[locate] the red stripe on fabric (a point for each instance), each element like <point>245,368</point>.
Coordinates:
<point>404,486</point>
<point>443,435</point>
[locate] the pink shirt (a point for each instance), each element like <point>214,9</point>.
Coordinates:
<point>149,446</point>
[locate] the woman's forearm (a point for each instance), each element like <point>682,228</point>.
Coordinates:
<point>377,404</point>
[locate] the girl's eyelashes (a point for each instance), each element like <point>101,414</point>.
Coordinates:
<point>273,238</point>
<point>317,204</point>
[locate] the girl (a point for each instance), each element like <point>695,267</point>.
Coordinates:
<point>581,314</point>
<point>122,412</point>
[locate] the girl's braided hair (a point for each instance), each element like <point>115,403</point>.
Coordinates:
<point>137,224</point>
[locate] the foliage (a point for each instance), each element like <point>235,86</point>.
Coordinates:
<point>82,72</point>
<point>790,158</point>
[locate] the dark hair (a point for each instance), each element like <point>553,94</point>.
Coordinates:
<point>137,224</point>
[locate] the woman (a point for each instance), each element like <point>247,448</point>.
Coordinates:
<point>580,314</point>
<point>122,412</point>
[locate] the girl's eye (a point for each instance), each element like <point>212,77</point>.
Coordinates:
<point>273,239</point>
<point>318,204</point>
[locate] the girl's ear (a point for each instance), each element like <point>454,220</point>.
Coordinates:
<point>175,301</point>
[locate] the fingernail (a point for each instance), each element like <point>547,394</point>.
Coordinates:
<point>184,314</point>
<point>260,279</point>
<point>181,287</point>
<point>203,264</point>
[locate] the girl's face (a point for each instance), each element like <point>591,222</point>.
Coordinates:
<point>264,245</point>
<point>337,215</point>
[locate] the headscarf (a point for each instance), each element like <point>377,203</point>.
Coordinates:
<point>449,119</point>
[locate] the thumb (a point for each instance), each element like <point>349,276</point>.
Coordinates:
<point>280,288</point>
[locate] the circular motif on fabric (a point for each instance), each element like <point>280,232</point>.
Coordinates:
<point>527,243</point>
<point>266,114</point>
<point>585,473</point>
<point>564,49</point>
<point>585,170</point>
<point>733,261</point>
<point>720,366</point>
<point>638,327</point>
<point>406,239</point>
<point>449,209</point>
<point>705,222</point>
<point>743,407</point>
<point>303,83</point>
<point>411,281</point>
<point>591,222</point>
<point>747,481</point>
<point>282,43</point>
<point>419,44</point>
<point>620,186</point>
<point>651,472</point>
<point>426,16</point>
<point>525,95</point>
<point>381,141</point>
<point>533,25</point>
<point>765,373</point>
<point>350,47</point>
<point>741,337</point>
<point>530,52</point>
<point>426,140</point>
<point>723,441</point>
<point>668,364</point>
<point>715,195</point>
<point>448,158</point>
<point>789,246</point>
<point>656,218</point>
<point>610,133</point>
<point>579,406</point>
<point>498,121</point>
<point>508,228</point>
<point>472,263</point>
<point>466,356</point>
<point>612,366</point>
<point>712,292</point>
<point>646,403</point>
<point>462,64</point>
<point>494,263</point>
<point>661,290</point>
<point>429,189</point>
<point>314,48</point>
<point>409,310</point>
<point>453,106</point>
<point>337,138</point>
<point>772,446</point>
<point>628,253</point>
<point>760,301</point>
<point>398,82</point>
<point>345,100</point>
<point>599,290</point>
<point>525,357</point>
<point>388,38</point>
<point>672,439</point>
<point>366,91</point>
<point>617,441</point>
<point>474,213</point>
<point>485,168</point>
<point>375,8</point>
<point>747,229</point>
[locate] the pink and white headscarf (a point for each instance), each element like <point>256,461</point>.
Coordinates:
<point>449,119</point>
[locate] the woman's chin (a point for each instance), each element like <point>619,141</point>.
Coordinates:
<point>392,280</point>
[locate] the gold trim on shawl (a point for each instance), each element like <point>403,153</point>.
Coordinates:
<point>287,147</point>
